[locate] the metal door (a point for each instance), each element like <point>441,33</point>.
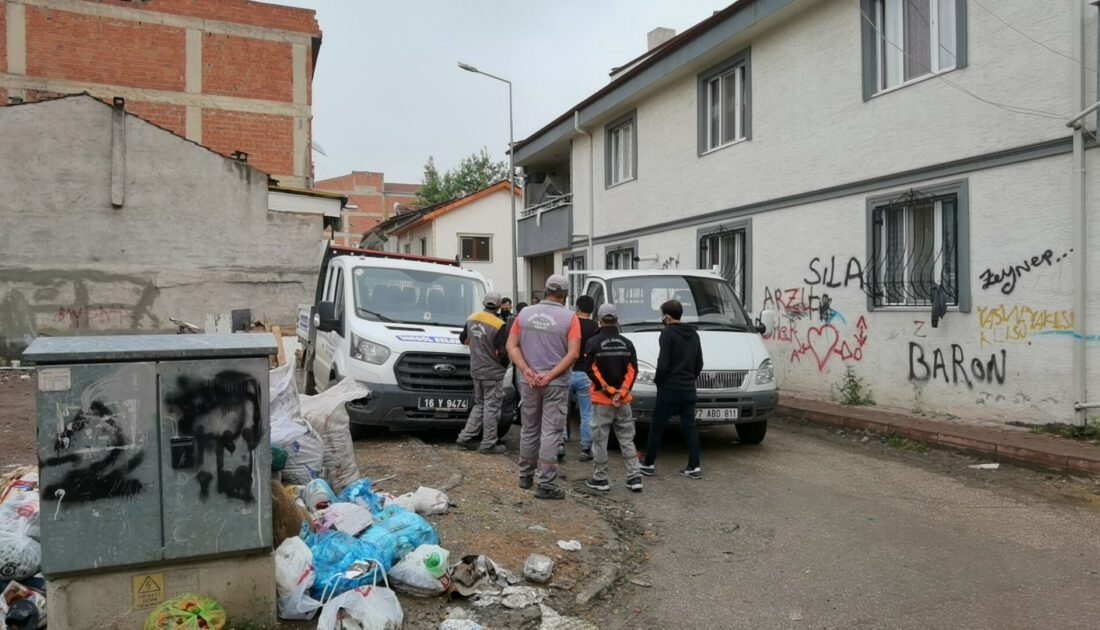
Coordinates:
<point>99,460</point>
<point>217,464</point>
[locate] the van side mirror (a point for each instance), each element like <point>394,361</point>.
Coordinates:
<point>326,317</point>
<point>766,323</point>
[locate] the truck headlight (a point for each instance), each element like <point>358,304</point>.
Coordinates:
<point>647,374</point>
<point>765,374</point>
<point>368,351</point>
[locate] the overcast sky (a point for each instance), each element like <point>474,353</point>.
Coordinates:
<point>388,93</point>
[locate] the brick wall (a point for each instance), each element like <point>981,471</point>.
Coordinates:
<point>250,68</point>
<point>372,197</point>
<point>266,139</point>
<point>171,117</point>
<point>237,11</point>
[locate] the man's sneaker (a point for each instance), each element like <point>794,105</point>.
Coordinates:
<point>598,484</point>
<point>526,481</point>
<point>495,449</point>
<point>469,445</point>
<point>586,455</point>
<point>694,473</point>
<point>635,484</point>
<point>549,491</point>
<point>648,470</point>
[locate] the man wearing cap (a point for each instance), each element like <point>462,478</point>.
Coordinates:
<point>612,365</point>
<point>544,343</point>
<point>487,337</point>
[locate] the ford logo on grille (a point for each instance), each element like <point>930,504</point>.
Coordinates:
<point>445,369</point>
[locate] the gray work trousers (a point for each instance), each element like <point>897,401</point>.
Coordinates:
<point>542,412</point>
<point>485,414</point>
<point>605,419</point>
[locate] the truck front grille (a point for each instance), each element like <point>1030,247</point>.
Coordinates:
<point>416,371</point>
<point>726,379</point>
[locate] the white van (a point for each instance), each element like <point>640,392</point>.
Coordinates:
<point>392,321</point>
<point>738,385</point>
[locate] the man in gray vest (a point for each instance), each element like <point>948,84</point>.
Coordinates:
<point>544,343</point>
<point>487,336</point>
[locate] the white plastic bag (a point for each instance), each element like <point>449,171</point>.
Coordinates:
<point>325,412</point>
<point>19,512</point>
<point>299,604</point>
<point>425,501</point>
<point>365,608</point>
<point>286,412</point>
<point>20,555</point>
<point>294,576</point>
<point>412,576</point>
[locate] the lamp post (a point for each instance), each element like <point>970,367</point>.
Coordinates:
<point>511,178</point>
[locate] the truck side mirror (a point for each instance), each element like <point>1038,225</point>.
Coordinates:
<point>326,317</point>
<point>766,323</point>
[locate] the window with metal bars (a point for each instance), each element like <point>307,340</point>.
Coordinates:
<point>915,251</point>
<point>576,280</point>
<point>621,258</point>
<point>726,250</point>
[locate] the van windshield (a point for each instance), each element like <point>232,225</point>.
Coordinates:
<point>708,302</point>
<point>415,297</point>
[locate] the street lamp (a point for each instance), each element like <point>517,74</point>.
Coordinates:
<point>511,177</point>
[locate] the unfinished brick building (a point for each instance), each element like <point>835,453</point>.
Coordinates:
<point>234,75</point>
<point>371,200</point>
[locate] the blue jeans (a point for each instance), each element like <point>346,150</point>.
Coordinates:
<point>581,386</point>
<point>673,402</point>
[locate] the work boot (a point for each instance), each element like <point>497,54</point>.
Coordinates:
<point>635,484</point>
<point>549,491</point>
<point>526,481</point>
<point>693,473</point>
<point>586,455</point>
<point>495,449</point>
<point>598,484</point>
<point>649,470</point>
<point>469,445</point>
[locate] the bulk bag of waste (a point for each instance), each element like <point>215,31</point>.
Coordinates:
<point>325,412</point>
<point>290,431</point>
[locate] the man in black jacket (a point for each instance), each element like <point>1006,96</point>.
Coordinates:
<point>679,364</point>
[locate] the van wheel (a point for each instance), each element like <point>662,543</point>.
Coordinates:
<point>509,415</point>
<point>310,384</point>
<point>752,432</point>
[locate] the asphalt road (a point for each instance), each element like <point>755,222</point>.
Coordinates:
<point>817,529</point>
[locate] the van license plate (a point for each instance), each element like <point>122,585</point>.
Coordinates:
<point>726,413</point>
<point>443,404</point>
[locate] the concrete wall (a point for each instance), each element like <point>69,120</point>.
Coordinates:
<point>812,131</point>
<point>193,236</point>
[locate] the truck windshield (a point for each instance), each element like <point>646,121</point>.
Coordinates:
<point>708,302</point>
<point>415,297</point>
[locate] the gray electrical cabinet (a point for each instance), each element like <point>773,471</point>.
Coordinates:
<point>152,448</point>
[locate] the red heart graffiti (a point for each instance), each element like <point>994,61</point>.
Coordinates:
<point>822,342</point>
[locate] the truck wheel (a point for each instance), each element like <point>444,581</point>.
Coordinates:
<point>752,432</point>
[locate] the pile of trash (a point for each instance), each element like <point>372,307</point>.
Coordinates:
<point>22,587</point>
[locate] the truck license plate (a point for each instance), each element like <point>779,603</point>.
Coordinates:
<point>725,413</point>
<point>435,403</point>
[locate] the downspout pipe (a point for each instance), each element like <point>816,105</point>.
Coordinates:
<point>590,253</point>
<point>1080,239</point>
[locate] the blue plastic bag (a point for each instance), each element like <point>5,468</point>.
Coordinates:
<point>360,492</point>
<point>397,532</point>
<point>333,554</point>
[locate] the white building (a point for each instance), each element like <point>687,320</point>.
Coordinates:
<point>475,229</point>
<point>842,161</point>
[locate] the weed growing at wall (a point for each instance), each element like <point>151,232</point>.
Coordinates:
<point>894,440</point>
<point>1089,433</point>
<point>853,390</point>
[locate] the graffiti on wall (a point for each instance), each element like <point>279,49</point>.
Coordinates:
<point>926,367</point>
<point>834,276</point>
<point>1007,277</point>
<point>220,418</point>
<point>1000,324</point>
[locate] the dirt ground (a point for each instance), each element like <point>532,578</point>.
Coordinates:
<point>17,419</point>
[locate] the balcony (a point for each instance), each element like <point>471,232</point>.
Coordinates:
<point>546,226</point>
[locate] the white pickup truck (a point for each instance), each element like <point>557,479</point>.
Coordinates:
<point>392,321</point>
<point>738,385</point>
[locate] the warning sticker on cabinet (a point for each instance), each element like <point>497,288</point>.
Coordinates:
<point>148,590</point>
<point>55,379</point>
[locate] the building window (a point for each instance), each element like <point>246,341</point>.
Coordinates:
<point>905,40</point>
<point>919,248</point>
<point>621,150</point>
<point>424,246</point>
<point>727,248</point>
<point>622,257</point>
<point>476,248</point>
<point>725,96</point>
<point>408,248</point>
<point>573,264</point>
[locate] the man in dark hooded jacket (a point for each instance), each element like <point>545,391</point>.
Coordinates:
<point>679,364</point>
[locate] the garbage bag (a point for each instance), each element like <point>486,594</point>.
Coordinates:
<point>364,608</point>
<point>413,576</point>
<point>342,563</point>
<point>319,495</point>
<point>478,574</point>
<point>20,555</point>
<point>19,512</point>
<point>360,493</point>
<point>326,413</point>
<point>294,576</point>
<point>397,532</point>
<point>187,612</point>
<point>23,607</point>
<point>425,501</point>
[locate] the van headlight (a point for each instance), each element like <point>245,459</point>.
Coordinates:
<point>765,374</point>
<point>368,351</point>
<point>647,374</point>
